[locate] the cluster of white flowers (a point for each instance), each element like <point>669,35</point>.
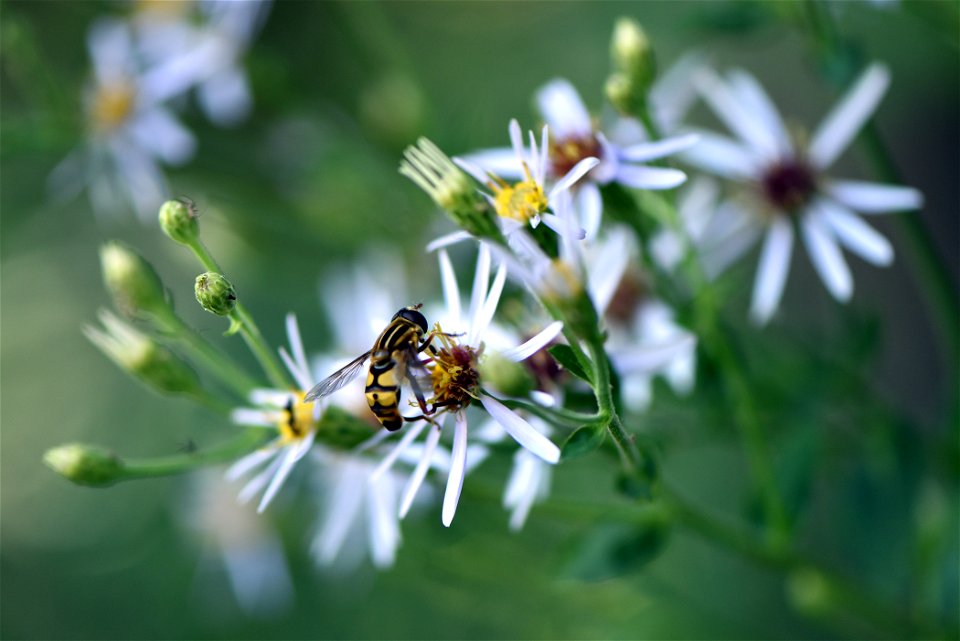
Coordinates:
<point>557,178</point>
<point>142,67</point>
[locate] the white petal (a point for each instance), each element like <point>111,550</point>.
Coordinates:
<point>826,256</point>
<point>772,270</point>
<point>500,161</point>
<point>543,399</point>
<point>480,322</point>
<point>481,279</point>
<point>420,472</point>
<point>521,431</point>
<point>605,272</point>
<point>522,475</point>
<point>653,358</point>
<point>451,496</point>
<point>529,348</point>
<point>696,205</point>
<point>296,343</point>
<point>721,156</point>
<point>447,240</point>
<point>874,198</point>
<point>516,141</point>
<point>478,173</point>
<point>290,458</point>
<point>652,150</point>
<point>451,291</point>
<point>856,235</point>
<point>225,97</point>
<point>571,177</point>
<point>641,177</point>
<point>384,531</point>
<point>673,93</point>
<point>409,436</point>
<point>248,462</point>
<point>560,226</point>
<point>563,110</point>
<point>750,93</point>
<point>589,206</point>
<point>160,132</point>
<point>742,119</point>
<point>252,417</point>
<point>302,376</point>
<point>340,516</point>
<point>841,125</point>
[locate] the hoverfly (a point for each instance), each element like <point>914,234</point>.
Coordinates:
<point>394,358</point>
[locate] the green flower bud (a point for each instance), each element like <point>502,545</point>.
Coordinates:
<point>215,293</point>
<point>506,376</point>
<point>450,188</point>
<point>634,66</point>
<point>85,464</point>
<point>141,356</point>
<point>178,219</point>
<point>134,285</point>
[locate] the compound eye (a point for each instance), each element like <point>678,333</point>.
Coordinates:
<point>415,317</point>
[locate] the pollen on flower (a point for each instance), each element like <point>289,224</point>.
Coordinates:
<point>297,419</point>
<point>112,104</point>
<point>453,372</point>
<point>522,201</point>
<point>565,153</point>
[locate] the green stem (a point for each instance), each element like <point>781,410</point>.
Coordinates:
<point>630,456</point>
<point>246,442</point>
<point>215,362</point>
<point>278,376</point>
<point>553,415</point>
<point>204,256</point>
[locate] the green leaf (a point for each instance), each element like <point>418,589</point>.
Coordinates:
<point>583,441</point>
<point>565,356</point>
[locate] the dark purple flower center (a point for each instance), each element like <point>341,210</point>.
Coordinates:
<point>789,184</point>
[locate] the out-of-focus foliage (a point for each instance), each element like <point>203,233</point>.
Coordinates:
<point>856,398</point>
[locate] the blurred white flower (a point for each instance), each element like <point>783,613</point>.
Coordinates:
<point>246,545</point>
<point>644,340</point>
<point>203,50</point>
<point>295,420</point>
<point>130,132</point>
<point>788,187</point>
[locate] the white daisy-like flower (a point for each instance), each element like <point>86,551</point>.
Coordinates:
<point>283,410</point>
<point>644,339</point>
<point>203,50</point>
<point>787,186</point>
<point>245,545</point>
<point>130,131</point>
<point>528,201</point>
<point>454,368</point>
<point>575,138</point>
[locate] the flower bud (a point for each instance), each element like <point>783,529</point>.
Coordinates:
<point>506,376</point>
<point>141,356</point>
<point>178,219</point>
<point>215,293</point>
<point>134,285</point>
<point>85,464</point>
<point>450,187</point>
<point>634,65</point>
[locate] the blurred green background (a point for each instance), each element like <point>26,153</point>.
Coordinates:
<point>857,398</point>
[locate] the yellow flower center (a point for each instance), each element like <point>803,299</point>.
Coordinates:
<point>520,201</point>
<point>453,373</point>
<point>298,419</point>
<point>112,105</point>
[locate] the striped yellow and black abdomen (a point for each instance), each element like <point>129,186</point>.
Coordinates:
<point>383,381</point>
<point>383,393</point>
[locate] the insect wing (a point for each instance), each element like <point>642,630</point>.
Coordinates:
<point>338,379</point>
